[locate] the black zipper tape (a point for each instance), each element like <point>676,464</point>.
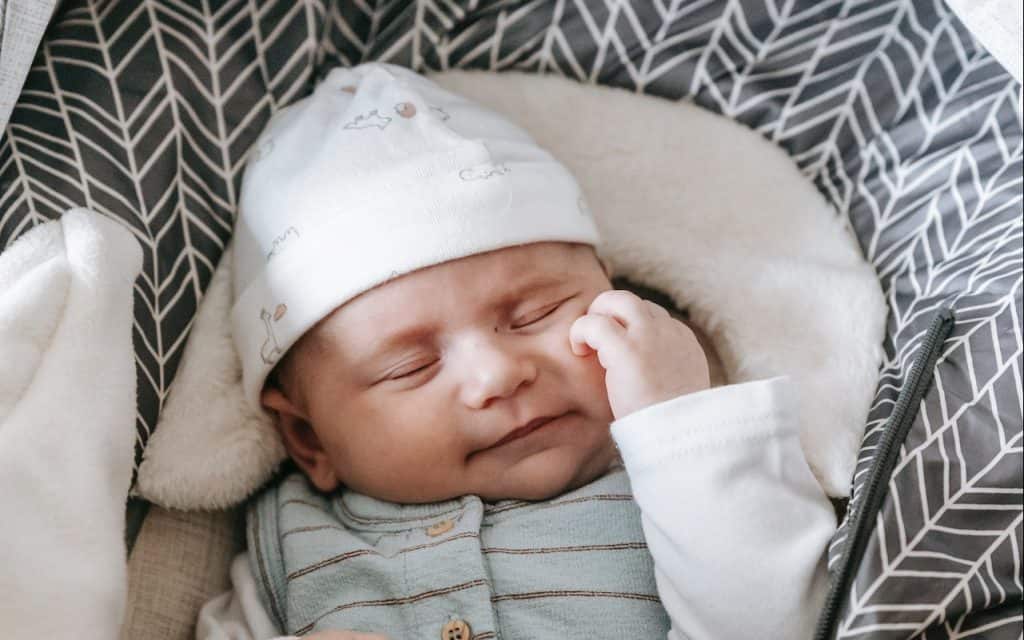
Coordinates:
<point>875,489</point>
<point>135,514</point>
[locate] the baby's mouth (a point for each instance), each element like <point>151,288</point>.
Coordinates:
<point>526,429</point>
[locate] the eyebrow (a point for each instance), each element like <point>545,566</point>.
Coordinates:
<point>419,333</point>
<point>527,287</point>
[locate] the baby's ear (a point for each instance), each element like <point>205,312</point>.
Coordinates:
<point>300,440</point>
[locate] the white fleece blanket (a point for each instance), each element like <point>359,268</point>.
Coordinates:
<point>689,203</point>
<point>67,426</point>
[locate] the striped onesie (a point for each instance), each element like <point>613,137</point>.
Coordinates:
<point>575,566</point>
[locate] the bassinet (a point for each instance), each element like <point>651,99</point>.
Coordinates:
<point>892,109</point>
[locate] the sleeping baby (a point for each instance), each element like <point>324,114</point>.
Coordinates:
<point>486,439</point>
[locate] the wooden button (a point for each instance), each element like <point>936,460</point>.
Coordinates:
<point>438,528</point>
<point>405,109</point>
<point>455,630</point>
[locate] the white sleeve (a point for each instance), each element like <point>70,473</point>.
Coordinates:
<point>736,523</point>
<point>237,614</point>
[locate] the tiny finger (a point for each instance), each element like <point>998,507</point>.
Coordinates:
<point>625,306</point>
<point>657,310</point>
<point>594,332</point>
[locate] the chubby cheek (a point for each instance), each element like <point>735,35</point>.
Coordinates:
<point>405,455</point>
<point>586,377</point>
<point>594,390</point>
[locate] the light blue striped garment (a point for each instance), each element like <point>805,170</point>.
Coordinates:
<point>575,566</point>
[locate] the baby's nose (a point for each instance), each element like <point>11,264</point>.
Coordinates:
<point>494,371</point>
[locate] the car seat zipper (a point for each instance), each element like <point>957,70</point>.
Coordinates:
<point>875,489</point>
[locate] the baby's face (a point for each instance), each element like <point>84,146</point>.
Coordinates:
<point>419,390</point>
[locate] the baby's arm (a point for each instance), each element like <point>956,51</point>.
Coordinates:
<point>237,614</point>
<point>735,521</point>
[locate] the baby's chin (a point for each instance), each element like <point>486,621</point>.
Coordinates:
<point>546,475</point>
<point>539,476</point>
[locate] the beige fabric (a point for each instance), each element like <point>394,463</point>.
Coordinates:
<point>22,23</point>
<point>180,560</point>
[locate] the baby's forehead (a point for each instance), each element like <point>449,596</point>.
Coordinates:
<point>493,278</point>
<point>503,270</point>
<point>538,256</point>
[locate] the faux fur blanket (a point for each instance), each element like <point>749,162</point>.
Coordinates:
<point>67,426</point>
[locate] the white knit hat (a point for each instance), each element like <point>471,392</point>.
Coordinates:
<point>378,173</point>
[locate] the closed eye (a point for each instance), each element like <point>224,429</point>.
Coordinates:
<point>547,311</point>
<point>411,372</point>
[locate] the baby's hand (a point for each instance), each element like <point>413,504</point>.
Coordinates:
<point>344,635</point>
<point>648,355</point>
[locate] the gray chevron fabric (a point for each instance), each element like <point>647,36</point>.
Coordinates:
<point>145,110</point>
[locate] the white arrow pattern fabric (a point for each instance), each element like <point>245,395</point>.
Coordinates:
<point>145,111</point>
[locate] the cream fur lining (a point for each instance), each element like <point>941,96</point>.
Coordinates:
<point>689,203</point>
